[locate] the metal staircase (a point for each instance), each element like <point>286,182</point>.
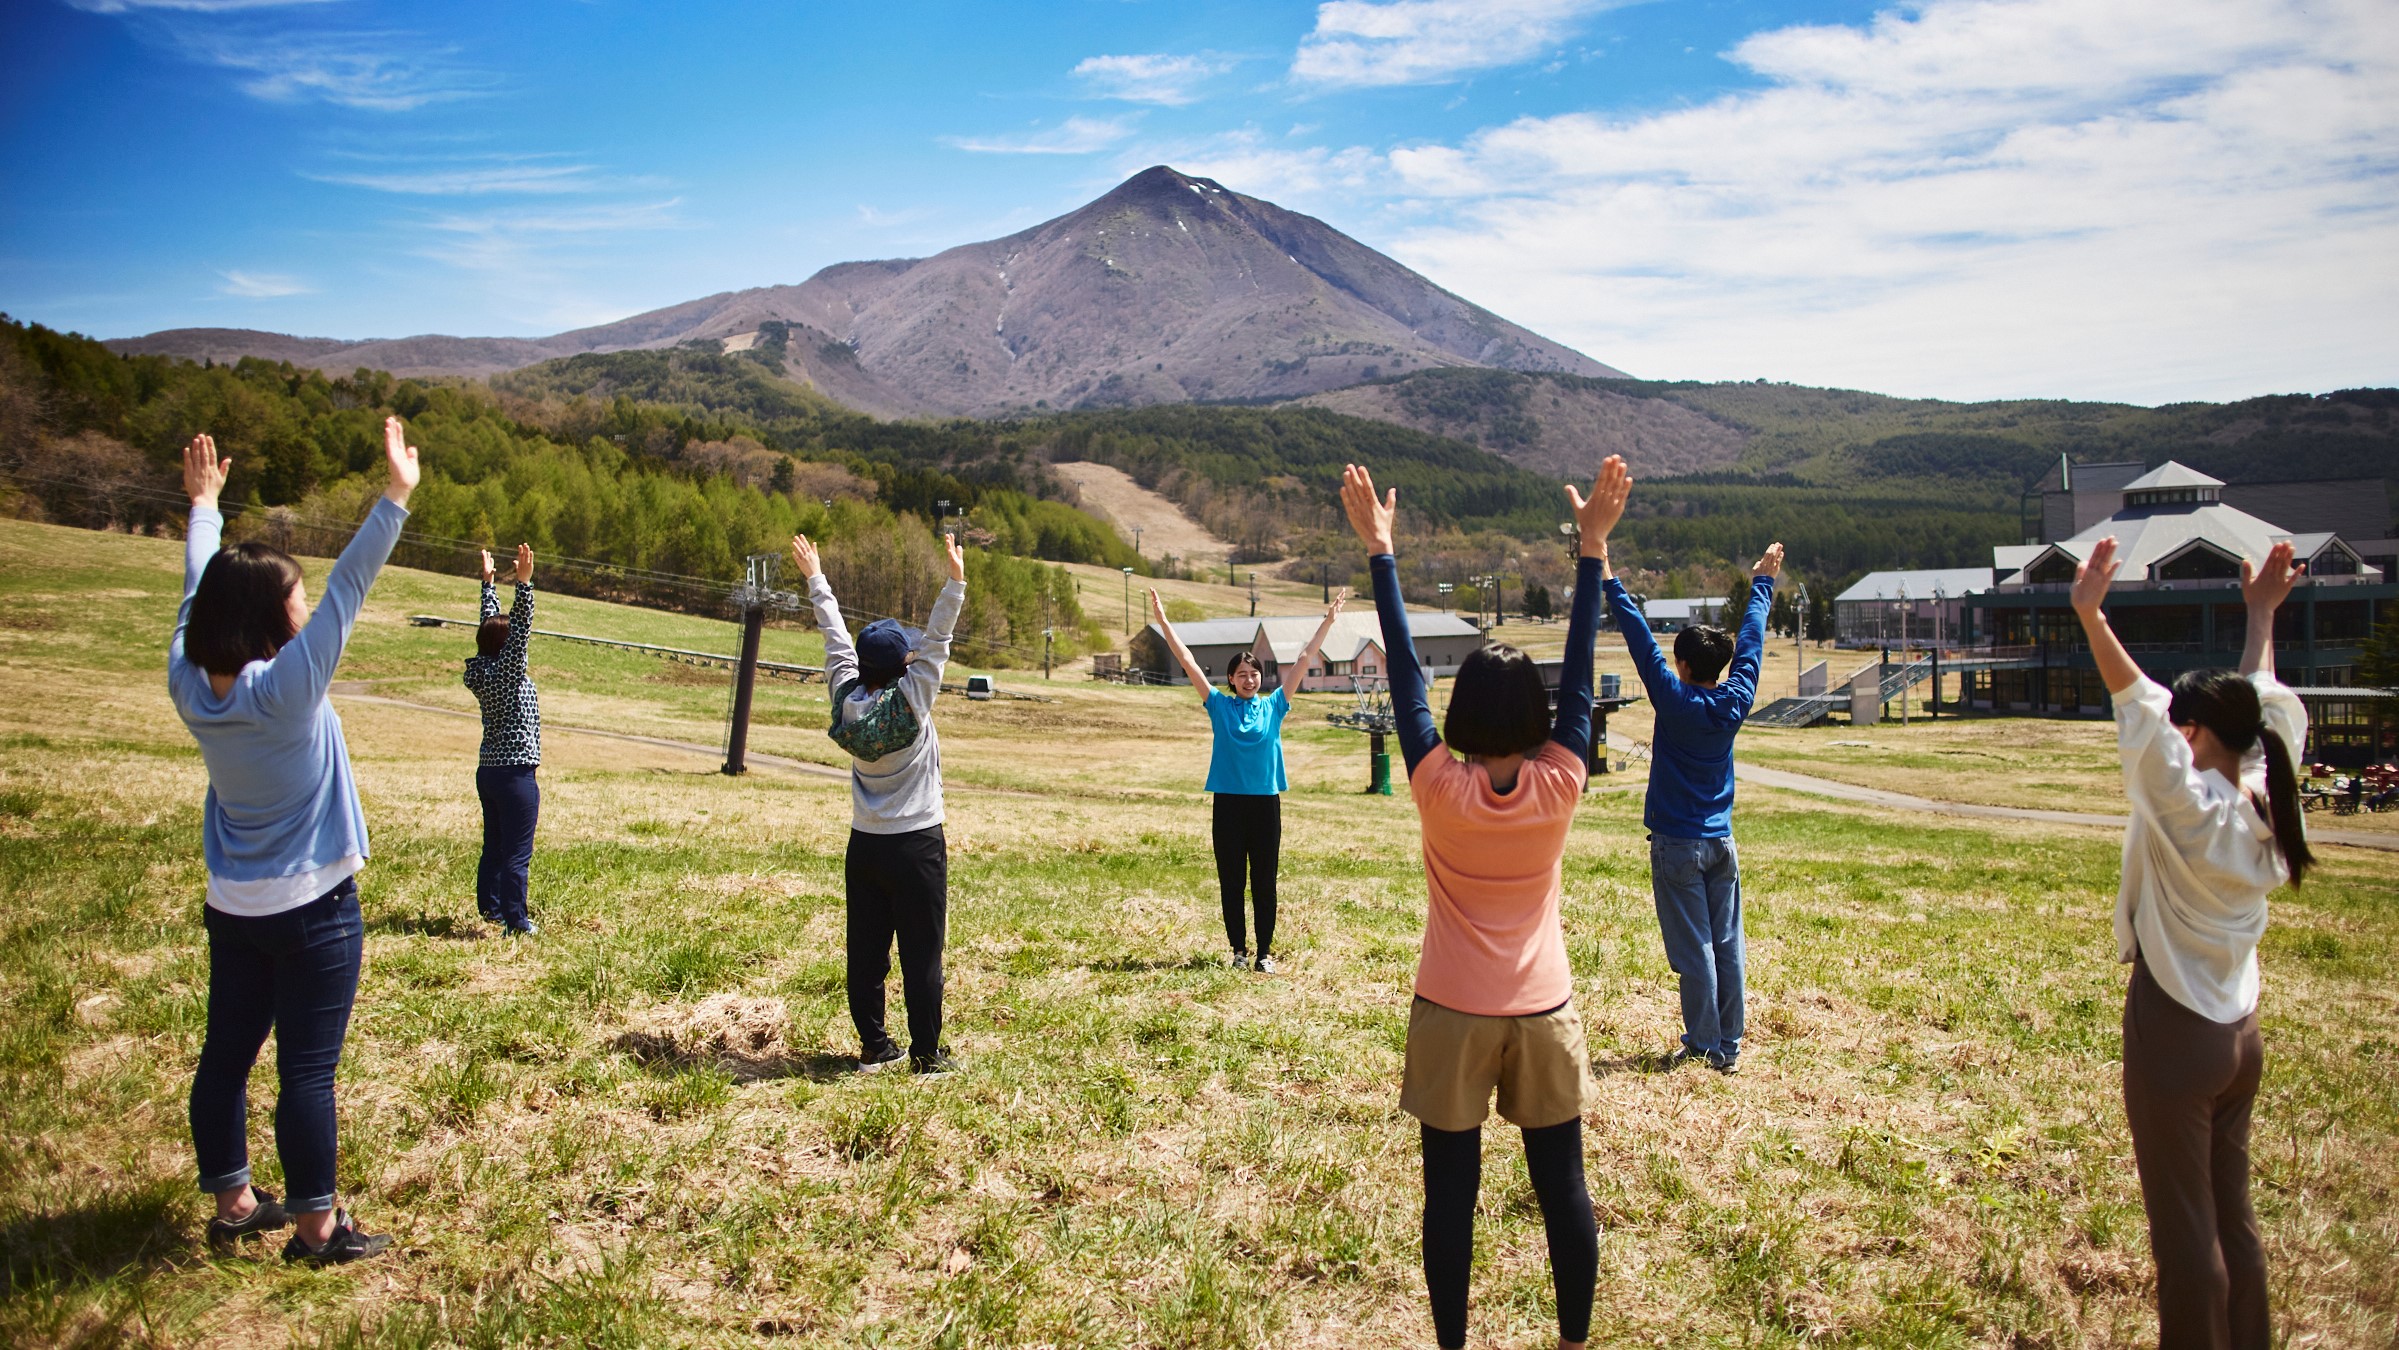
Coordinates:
<point>1807,710</point>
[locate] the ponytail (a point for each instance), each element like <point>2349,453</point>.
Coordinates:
<point>2282,806</point>
<point>2227,705</point>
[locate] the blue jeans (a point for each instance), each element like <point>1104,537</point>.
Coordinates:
<point>295,973</point>
<point>1697,885</point>
<point>511,808</point>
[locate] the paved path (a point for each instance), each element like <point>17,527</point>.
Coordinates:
<point>1851,792</point>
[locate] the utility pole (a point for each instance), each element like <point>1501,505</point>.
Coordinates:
<point>1046,632</point>
<point>1253,595</point>
<point>1445,588</point>
<point>1128,601</point>
<point>1903,653</point>
<point>1137,540</point>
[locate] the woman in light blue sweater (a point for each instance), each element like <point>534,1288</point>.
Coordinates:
<point>249,670</point>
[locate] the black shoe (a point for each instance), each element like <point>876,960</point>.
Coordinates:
<point>344,1245</point>
<point>877,1063</point>
<point>265,1215</point>
<point>941,1064</point>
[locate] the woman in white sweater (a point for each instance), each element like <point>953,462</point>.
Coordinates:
<point>2215,827</point>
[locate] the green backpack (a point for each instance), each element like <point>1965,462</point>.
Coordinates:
<point>888,724</point>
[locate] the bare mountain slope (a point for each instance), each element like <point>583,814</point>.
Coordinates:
<point>1559,427</point>
<point>1168,289</point>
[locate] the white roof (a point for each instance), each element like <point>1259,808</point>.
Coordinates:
<point>1356,629</point>
<point>2011,558</point>
<point>2172,475</point>
<point>1685,607</point>
<point>1922,583</point>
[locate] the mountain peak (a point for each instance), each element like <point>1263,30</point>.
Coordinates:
<point>1168,288</point>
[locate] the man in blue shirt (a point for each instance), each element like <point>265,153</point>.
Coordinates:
<point>1694,872</point>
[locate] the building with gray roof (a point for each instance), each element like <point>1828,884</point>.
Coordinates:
<point>1353,651</point>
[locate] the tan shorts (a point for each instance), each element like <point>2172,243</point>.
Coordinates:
<point>1455,1059</point>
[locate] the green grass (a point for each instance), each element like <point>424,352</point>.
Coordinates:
<point>637,1129</point>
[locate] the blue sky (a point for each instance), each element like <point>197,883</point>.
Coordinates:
<point>2146,200</point>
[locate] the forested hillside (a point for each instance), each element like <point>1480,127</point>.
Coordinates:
<point>625,499</point>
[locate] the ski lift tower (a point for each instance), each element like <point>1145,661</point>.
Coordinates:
<point>751,600</point>
<point>1372,715</point>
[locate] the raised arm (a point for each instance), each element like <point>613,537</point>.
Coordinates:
<point>923,677</point>
<point>1372,517</point>
<point>1298,670</point>
<point>1641,644</point>
<point>1182,653</point>
<point>841,654</point>
<point>2263,589</point>
<point>303,671</point>
<point>2092,577</point>
<point>491,596</point>
<point>1594,519</point>
<point>203,478</point>
<point>1749,649</point>
<point>520,614</point>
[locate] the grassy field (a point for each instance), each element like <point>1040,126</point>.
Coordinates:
<point>638,1128</point>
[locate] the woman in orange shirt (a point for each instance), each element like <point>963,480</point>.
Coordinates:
<point>1494,1006</point>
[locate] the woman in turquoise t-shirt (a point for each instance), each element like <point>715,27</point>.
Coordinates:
<point>1245,771</point>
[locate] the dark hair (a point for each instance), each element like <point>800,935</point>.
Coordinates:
<point>491,635</point>
<point>2225,702</point>
<point>241,611</point>
<point>872,677</point>
<point>1705,648</point>
<point>1498,706</point>
<point>1240,659</point>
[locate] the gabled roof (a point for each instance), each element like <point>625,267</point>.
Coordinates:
<point>2008,559</point>
<point>2172,475</point>
<point>1921,583</point>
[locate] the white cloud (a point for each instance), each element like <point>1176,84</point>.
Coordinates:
<point>261,285</point>
<point>1251,162</point>
<point>1168,80</point>
<point>1379,42</point>
<point>2146,200</point>
<point>187,6</point>
<point>515,176</point>
<point>1074,136</point>
<point>374,71</point>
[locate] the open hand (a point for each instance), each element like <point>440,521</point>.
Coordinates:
<point>2093,575</point>
<point>2267,587</point>
<point>1158,611</point>
<point>203,473</point>
<point>1594,518</point>
<point>1771,565</point>
<point>402,458</point>
<point>957,556</point>
<point>488,570</point>
<point>1370,516</point>
<point>1340,598</point>
<point>803,556</point>
<point>524,563</point>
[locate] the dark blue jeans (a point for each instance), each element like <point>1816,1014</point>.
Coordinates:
<point>898,892</point>
<point>296,974</point>
<point>511,807</point>
<point>1697,885</point>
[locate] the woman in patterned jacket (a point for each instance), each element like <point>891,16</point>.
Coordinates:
<point>504,776</point>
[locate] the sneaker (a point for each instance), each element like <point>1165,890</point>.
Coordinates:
<point>1724,1063</point>
<point>1265,964</point>
<point>940,1065</point>
<point>889,1058</point>
<point>266,1214</point>
<point>1239,960</point>
<point>1684,1054</point>
<point>346,1244</point>
<point>526,929</point>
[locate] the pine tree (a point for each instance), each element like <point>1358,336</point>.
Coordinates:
<point>2378,665</point>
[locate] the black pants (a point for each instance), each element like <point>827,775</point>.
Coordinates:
<point>511,807</point>
<point>899,887</point>
<point>2189,1083</point>
<point>296,974</point>
<point>1249,840</point>
<point>1453,1173</point>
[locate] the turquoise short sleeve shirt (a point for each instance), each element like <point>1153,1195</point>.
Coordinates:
<point>1248,758</point>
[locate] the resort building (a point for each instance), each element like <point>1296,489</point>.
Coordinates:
<point>2177,601</point>
<point>1911,609</point>
<point>1353,651</point>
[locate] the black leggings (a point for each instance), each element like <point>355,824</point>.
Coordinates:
<point>1453,1173</point>
<point>1249,838</point>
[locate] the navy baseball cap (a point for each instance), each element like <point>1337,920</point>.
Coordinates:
<point>884,645</point>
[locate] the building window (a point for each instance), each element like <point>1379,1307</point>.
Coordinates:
<point>1366,668</point>
<point>2198,564</point>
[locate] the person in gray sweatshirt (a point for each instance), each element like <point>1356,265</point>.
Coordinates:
<point>896,872</point>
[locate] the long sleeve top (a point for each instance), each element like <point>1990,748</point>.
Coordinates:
<point>511,706</point>
<point>281,823</point>
<point>901,791</point>
<point>2199,857</point>
<point>1691,751</point>
<point>1494,945</point>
